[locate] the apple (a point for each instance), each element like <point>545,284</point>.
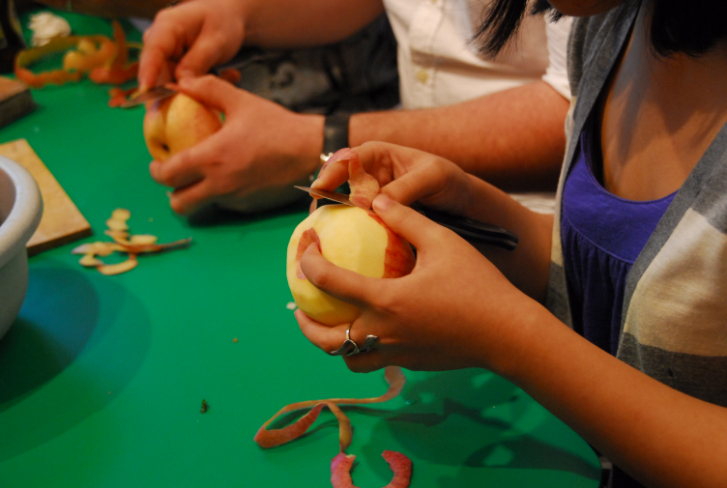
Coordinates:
<point>176,123</point>
<point>352,238</point>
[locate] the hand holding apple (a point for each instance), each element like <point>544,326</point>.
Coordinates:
<point>252,162</point>
<point>176,123</point>
<point>349,237</point>
<point>454,310</point>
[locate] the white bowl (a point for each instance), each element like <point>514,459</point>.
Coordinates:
<point>20,210</point>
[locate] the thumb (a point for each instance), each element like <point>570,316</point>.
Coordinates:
<point>338,282</point>
<point>406,222</point>
<point>209,90</point>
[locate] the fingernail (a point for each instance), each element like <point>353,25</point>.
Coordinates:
<point>184,82</point>
<point>382,202</point>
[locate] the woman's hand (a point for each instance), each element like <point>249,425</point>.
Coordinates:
<point>252,162</point>
<point>454,310</point>
<point>404,174</point>
<point>188,39</point>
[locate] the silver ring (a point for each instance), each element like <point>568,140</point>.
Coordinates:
<point>349,347</point>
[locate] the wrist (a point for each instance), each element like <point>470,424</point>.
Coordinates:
<point>335,132</point>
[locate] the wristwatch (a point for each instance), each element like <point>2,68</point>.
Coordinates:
<point>335,133</point>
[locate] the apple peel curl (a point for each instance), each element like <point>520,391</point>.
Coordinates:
<point>399,463</point>
<point>275,437</point>
<point>122,242</point>
<point>102,59</point>
<point>364,187</point>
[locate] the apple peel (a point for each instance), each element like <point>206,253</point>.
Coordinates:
<point>101,59</point>
<point>364,187</point>
<point>275,437</point>
<point>399,463</point>
<point>132,245</point>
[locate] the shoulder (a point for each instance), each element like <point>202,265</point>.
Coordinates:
<point>590,34</point>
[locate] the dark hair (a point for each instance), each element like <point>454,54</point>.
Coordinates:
<point>677,26</point>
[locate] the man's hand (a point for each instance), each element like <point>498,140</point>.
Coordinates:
<point>188,39</point>
<point>250,164</point>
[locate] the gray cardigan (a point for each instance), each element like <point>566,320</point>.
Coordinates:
<point>674,325</point>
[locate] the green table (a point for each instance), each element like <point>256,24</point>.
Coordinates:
<point>102,377</point>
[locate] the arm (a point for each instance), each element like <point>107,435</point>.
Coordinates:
<point>116,9</point>
<point>514,139</point>
<point>190,38</point>
<point>660,436</point>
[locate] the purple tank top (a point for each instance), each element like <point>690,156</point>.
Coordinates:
<point>602,235</point>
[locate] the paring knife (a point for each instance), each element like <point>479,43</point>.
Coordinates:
<point>468,229</point>
<point>156,93</point>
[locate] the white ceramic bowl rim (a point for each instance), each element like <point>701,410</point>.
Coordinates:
<point>24,216</point>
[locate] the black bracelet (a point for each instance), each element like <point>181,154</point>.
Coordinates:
<point>335,133</point>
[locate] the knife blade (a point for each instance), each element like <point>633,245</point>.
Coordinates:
<point>471,230</point>
<point>156,93</point>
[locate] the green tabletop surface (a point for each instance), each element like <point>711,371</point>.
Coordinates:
<point>102,378</point>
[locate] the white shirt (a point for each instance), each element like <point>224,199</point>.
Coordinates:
<point>439,62</point>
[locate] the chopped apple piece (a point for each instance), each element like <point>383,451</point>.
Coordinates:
<point>143,239</point>
<point>121,214</point>
<point>136,244</point>
<point>117,225</point>
<point>123,267</point>
<point>90,260</point>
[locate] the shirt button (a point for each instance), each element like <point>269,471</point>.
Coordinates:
<point>422,76</point>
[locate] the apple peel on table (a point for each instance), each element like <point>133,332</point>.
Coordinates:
<point>274,437</point>
<point>341,464</point>
<point>176,123</point>
<point>103,60</point>
<point>398,462</point>
<point>132,245</point>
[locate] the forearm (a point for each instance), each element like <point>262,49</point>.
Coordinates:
<point>306,23</point>
<point>660,436</point>
<point>514,139</point>
<point>528,266</point>
<point>114,10</point>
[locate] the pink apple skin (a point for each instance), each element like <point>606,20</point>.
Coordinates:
<point>349,237</point>
<point>177,123</point>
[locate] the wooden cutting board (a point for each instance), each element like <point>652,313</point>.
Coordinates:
<point>15,100</point>
<point>61,222</point>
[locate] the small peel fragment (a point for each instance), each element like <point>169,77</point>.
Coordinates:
<point>272,438</point>
<point>398,462</point>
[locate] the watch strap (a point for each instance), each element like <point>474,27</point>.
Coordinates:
<point>335,132</point>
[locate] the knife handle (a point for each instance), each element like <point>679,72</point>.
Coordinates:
<point>472,230</point>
